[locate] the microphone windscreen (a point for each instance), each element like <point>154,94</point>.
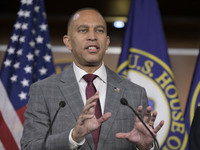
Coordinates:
<point>62,104</point>
<point>123,101</point>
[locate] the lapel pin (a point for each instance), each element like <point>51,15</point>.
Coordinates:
<point>117,89</point>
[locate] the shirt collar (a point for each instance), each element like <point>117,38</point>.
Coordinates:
<point>101,72</point>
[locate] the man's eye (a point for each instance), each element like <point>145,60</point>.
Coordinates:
<point>82,30</point>
<point>100,31</point>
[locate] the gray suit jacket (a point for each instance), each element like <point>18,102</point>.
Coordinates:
<point>44,98</point>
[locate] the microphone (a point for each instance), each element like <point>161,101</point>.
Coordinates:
<point>61,105</point>
<point>125,102</point>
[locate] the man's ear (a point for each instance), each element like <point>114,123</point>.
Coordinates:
<point>108,42</point>
<point>67,41</point>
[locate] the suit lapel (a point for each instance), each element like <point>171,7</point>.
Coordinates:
<point>112,104</point>
<point>68,87</point>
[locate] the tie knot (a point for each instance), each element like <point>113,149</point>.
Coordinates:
<point>89,77</point>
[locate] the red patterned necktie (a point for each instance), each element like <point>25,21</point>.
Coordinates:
<point>90,91</point>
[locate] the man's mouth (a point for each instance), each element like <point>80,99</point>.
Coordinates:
<point>92,49</point>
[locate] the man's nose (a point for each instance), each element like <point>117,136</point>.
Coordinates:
<point>92,36</point>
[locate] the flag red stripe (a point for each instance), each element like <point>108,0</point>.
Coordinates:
<point>6,136</point>
<point>20,113</point>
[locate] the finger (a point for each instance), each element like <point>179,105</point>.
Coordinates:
<point>104,117</point>
<point>159,126</point>
<point>89,108</point>
<point>147,114</point>
<point>92,99</point>
<point>122,135</point>
<point>153,118</point>
<point>91,104</point>
<point>139,111</point>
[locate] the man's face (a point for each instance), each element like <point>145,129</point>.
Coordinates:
<point>87,38</point>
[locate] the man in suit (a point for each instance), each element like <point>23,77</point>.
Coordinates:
<point>75,123</point>
<point>194,137</point>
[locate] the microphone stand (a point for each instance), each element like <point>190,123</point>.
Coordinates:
<point>61,105</point>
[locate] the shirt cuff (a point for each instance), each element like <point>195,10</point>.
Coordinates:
<point>150,149</point>
<point>73,144</point>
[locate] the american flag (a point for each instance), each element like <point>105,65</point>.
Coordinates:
<point>28,58</point>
